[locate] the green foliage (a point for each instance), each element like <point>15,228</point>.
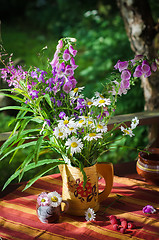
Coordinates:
<point>5,119</point>
<point>102,40</point>
<point>118,153</point>
<point>28,47</point>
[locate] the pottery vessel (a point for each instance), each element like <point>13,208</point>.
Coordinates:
<point>79,198</point>
<point>49,214</point>
<point>147,165</point>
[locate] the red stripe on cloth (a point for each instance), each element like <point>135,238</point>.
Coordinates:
<point>13,235</point>
<point>19,208</point>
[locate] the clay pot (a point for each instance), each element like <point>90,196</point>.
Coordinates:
<point>148,165</point>
<point>80,199</point>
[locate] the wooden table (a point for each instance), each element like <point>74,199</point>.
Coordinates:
<point>18,219</point>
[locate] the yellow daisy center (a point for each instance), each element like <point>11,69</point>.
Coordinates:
<point>92,134</point>
<point>100,126</point>
<point>71,128</point>
<point>74,144</point>
<point>66,122</point>
<point>89,215</point>
<point>90,122</point>
<point>102,101</point>
<point>126,131</point>
<point>101,95</point>
<point>75,90</point>
<point>54,199</point>
<point>89,103</point>
<point>43,200</point>
<point>60,134</point>
<point>81,121</point>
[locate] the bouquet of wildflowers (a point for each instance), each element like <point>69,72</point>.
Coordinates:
<point>66,122</point>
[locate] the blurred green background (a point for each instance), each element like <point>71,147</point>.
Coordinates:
<point>28,26</point>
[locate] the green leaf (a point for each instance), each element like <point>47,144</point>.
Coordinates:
<point>52,164</point>
<point>7,143</point>
<point>25,145</point>
<point>37,148</point>
<point>16,108</point>
<point>13,139</point>
<point>40,174</point>
<point>47,97</point>
<point>14,97</point>
<point>19,144</point>
<point>23,124</point>
<point>25,163</point>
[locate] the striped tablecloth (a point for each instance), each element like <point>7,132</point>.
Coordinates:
<point>18,219</point>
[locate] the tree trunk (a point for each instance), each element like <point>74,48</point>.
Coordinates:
<point>144,38</point>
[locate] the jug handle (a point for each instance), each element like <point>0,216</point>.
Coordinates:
<point>66,207</point>
<point>107,172</point>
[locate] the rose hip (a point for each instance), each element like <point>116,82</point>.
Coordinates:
<point>122,230</point>
<point>124,224</point>
<point>131,225</point>
<point>122,219</point>
<point>115,227</point>
<point>112,216</point>
<point>114,221</point>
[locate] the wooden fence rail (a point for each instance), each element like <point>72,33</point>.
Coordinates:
<point>150,118</point>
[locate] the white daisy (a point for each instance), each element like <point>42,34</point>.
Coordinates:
<point>74,144</point>
<point>76,91</point>
<point>89,102</point>
<point>98,95</point>
<point>134,122</point>
<point>64,122</point>
<point>92,136</point>
<point>102,102</point>
<point>127,131</point>
<point>71,127</point>
<point>82,121</point>
<point>55,199</point>
<point>90,215</point>
<point>60,132</point>
<point>101,127</point>
<point>90,122</point>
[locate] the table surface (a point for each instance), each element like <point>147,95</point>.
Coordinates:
<point>18,219</point>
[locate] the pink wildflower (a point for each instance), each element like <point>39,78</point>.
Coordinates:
<point>43,199</point>
<point>72,50</point>
<point>126,74</point>
<point>66,55</point>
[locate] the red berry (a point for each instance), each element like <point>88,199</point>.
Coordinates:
<point>131,225</point>
<point>112,216</point>
<point>115,227</point>
<point>114,221</point>
<point>122,230</point>
<point>122,219</point>
<point>124,224</point>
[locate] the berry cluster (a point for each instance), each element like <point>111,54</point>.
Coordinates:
<point>121,224</point>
